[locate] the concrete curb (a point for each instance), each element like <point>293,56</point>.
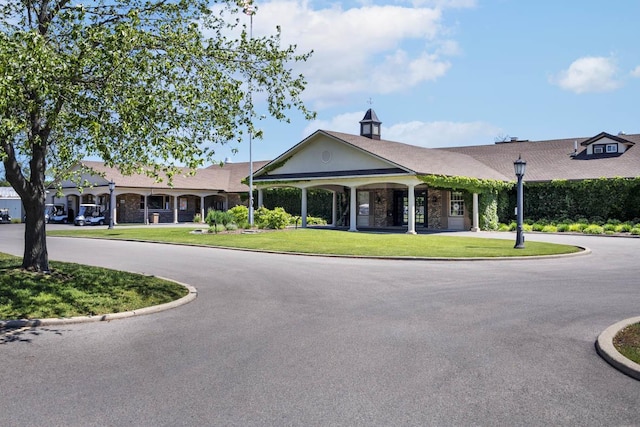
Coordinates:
<point>20,323</point>
<point>606,349</point>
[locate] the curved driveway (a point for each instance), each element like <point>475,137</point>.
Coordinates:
<point>280,340</point>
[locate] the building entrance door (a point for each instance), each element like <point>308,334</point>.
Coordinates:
<point>401,207</point>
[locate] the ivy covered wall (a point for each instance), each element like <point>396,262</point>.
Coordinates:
<point>592,199</point>
<point>319,202</point>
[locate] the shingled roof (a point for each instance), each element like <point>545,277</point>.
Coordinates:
<point>555,159</point>
<point>421,160</point>
<point>225,178</point>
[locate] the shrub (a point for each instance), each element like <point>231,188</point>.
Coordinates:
<point>593,229</point>
<point>314,220</point>
<point>608,227</point>
<point>549,229</point>
<point>217,228</point>
<point>562,228</point>
<point>275,219</point>
<point>623,228</point>
<point>513,226</point>
<point>240,215</point>
<point>231,227</point>
<point>537,227</point>
<point>197,218</point>
<point>527,227</point>
<point>635,231</point>
<point>219,217</point>
<point>503,227</point>
<point>577,227</point>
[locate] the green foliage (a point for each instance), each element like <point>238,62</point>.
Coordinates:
<point>471,185</point>
<point>240,215</point>
<point>488,206</point>
<point>145,85</point>
<point>318,201</point>
<point>219,217</point>
<point>275,219</point>
<point>593,229</point>
<point>592,201</point>
<point>549,229</point>
<point>635,231</point>
<point>562,228</point>
<point>197,218</point>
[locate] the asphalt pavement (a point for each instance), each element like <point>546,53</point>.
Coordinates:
<point>283,340</point>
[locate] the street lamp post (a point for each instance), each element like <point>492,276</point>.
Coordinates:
<point>250,10</point>
<point>519,166</point>
<point>112,186</point>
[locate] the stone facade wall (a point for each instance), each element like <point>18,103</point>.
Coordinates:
<point>130,209</point>
<point>435,208</point>
<point>382,208</point>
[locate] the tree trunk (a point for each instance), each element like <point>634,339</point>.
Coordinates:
<point>35,256</point>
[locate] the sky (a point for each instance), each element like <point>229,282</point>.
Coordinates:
<point>441,73</point>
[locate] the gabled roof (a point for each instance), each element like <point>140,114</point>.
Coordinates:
<point>601,135</point>
<point>226,178</point>
<point>555,159</point>
<point>421,160</point>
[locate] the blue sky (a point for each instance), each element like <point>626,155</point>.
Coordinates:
<point>458,72</point>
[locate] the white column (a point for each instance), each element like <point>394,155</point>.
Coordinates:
<point>201,209</point>
<point>353,210</point>
<point>146,210</point>
<point>175,209</point>
<point>476,214</point>
<point>412,210</point>
<point>303,208</point>
<point>334,208</point>
<point>260,198</point>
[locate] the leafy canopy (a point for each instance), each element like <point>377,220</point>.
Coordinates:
<point>135,82</point>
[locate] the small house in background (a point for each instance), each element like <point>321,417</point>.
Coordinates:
<point>10,200</point>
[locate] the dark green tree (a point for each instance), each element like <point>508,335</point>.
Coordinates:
<point>146,85</point>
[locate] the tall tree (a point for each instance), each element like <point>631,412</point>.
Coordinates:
<point>143,84</point>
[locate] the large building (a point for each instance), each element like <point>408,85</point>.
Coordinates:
<point>386,183</point>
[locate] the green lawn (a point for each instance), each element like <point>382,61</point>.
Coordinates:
<point>627,342</point>
<point>332,242</point>
<point>77,290</point>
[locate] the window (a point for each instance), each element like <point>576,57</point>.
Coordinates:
<point>598,149</point>
<point>612,148</point>
<point>457,204</point>
<point>366,128</point>
<point>156,202</point>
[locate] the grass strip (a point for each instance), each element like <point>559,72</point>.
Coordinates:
<point>333,242</point>
<point>627,342</point>
<point>77,290</point>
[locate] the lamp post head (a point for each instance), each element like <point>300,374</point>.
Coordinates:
<point>519,166</point>
<point>112,185</point>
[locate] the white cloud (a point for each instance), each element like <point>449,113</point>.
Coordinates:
<point>442,134</point>
<point>589,74</point>
<point>423,134</point>
<point>636,72</point>
<point>367,49</point>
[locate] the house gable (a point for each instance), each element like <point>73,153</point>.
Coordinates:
<point>606,144</point>
<point>323,155</point>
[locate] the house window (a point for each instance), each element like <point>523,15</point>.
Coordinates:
<point>457,204</point>
<point>612,148</point>
<point>598,149</point>
<point>156,202</point>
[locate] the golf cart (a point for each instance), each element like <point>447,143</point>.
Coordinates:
<point>4,216</point>
<point>55,213</point>
<point>90,214</point>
